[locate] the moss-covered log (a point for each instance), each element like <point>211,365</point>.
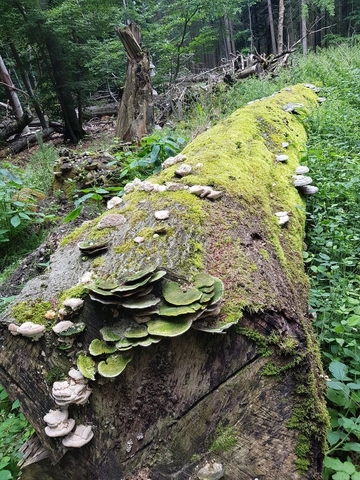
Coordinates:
<point>251,398</point>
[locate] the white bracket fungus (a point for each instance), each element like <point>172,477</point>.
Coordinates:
<point>73,303</point>
<point>184,170</point>
<point>28,329</point>
<point>113,202</point>
<point>283,218</point>
<point>58,423</point>
<point>70,391</point>
<point>80,437</point>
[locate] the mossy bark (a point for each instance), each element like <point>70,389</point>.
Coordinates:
<point>251,398</point>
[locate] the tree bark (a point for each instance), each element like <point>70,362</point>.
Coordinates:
<point>136,115</point>
<point>304,34</point>
<point>10,92</point>
<point>272,28</point>
<point>29,89</point>
<point>250,399</point>
<point>24,142</point>
<point>280,42</point>
<point>15,128</point>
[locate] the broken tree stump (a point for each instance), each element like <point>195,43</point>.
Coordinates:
<point>136,112</point>
<point>218,362</point>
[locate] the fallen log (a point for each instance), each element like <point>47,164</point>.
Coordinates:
<point>15,127</point>
<point>232,380</point>
<point>22,143</point>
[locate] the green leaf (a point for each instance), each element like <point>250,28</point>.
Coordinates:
<point>341,476</point>
<point>5,475</point>
<point>333,463</point>
<point>351,447</point>
<point>73,214</point>
<point>355,476</point>
<point>339,370</point>
<point>353,320</point>
<point>15,221</point>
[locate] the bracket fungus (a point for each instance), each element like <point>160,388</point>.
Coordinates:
<point>281,158</point>
<point>204,191</point>
<point>58,423</point>
<point>28,329</point>
<point>183,170</point>
<point>92,248</point>
<point>283,218</point>
<point>73,303</point>
<point>69,392</point>
<point>80,437</point>
<point>113,365</point>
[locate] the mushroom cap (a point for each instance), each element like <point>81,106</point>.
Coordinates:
<point>99,347</point>
<point>301,169</point>
<point>62,326</point>
<point>73,303</point>
<point>113,365</point>
<point>175,295</point>
<point>86,365</point>
<point>281,158</point>
<point>113,202</point>
<point>61,429</point>
<point>55,417</point>
<point>13,328</point>
<point>32,330</point>
<point>162,214</point>
<point>165,328</point>
<point>80,437</point>
<point>308,189</point>
<point>301,180</point>
<point>77,376</point>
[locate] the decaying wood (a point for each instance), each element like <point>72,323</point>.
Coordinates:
<point>201,396</point>
<point>22,143</point>
<point>16,127</point>
<point>135,117</point>
<point>185,91</point>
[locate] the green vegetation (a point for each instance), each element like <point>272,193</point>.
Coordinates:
<point>14,431</point>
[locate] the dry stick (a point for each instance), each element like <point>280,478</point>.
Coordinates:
<point>14,88</point>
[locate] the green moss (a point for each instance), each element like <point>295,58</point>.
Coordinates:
<point>98,262</point>
<point>77,291</point>
<point>264,253</point>
<point>55,374</point>
<point>226,439</point>
<point>32,311</point>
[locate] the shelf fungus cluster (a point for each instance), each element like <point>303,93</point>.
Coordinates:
<point>303,182</point>
<point>27,329</point>
<point>151,307</point>
<point>75,391</point>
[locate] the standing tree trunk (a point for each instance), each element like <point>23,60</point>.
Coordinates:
<point>29,89</point>
<point>10,92</point>
<point>281,45</point>
<point>272,29</point>
<point>304,41</point>
<point>136,114</point>
<point>232,375</point>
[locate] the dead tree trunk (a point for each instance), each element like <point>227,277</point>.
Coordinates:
<point>251,399</point>
<point>135,117</point>
<point>10,92</point>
